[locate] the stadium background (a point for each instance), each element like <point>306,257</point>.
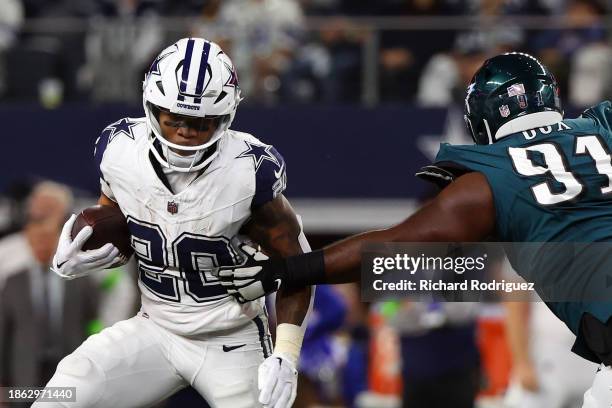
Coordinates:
<point>356,95</point>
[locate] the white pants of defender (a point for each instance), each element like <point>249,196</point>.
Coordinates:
<point>136,363</point>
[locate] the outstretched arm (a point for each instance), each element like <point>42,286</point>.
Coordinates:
<point>462,212</point>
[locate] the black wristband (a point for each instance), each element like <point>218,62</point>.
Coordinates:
<point>305,270</point>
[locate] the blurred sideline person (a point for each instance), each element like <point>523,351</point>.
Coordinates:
<point>544,374</point>
<point>321,359</point>
<point>439,351</point>
<point>265,35</point>
<point>188,185</point>
<point>42,317</point>
<point>118,296</point>
<point>532,177</point>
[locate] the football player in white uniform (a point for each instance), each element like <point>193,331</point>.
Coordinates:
<point>188,186</point>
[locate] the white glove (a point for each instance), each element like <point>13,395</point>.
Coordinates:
<point>71,262</point>
<point>277,381</point>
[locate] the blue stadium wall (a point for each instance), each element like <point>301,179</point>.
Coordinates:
<point>339,152</point>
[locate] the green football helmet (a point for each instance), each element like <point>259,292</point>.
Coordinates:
<point>507,87</point>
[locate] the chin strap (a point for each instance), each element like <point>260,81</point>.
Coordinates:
<point>178,160</point>
<point>168,159</point>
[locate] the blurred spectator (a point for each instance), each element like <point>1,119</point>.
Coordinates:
<point>118,296</point>
<point>439,352</point>
<point>120,46</point>
<point>28,247</point>
<point>266,35</point>
<point>11,19</point>
<point>404,53</point>
<point>503,7</point>
<point>322,7</point>
<point>403,7</point>
<point>590,80</point>
<point>42,318</point>
<point>209,25</point>
<point>446,76</point>
<point>14,196</point>
<point>556,47</point>
<point>44,67</point>
<point>355,381</point>
<point>398,71</point>
<point>544,373</point>
<point>321,359</point>
<point>328,68</point>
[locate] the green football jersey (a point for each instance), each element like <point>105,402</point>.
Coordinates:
<point>554,185</point>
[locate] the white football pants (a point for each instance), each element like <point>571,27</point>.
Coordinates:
<point>600,393</point>
<point>136,363</point>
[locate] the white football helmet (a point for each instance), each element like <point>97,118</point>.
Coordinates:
<point>192,77</point>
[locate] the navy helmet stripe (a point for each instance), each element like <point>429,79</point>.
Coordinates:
<point>186,65</point>
<point>203,66</point>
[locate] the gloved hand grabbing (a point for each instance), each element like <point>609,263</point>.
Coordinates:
<point>256,277</point>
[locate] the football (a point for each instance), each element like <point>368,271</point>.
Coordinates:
<point>109,225</point>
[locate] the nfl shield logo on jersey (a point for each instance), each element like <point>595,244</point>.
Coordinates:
<point>504,111</point>
<point>172,207</point>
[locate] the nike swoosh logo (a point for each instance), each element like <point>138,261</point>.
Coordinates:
<point>59,265</point>
<point>230,348</point>
<point>278,173</point>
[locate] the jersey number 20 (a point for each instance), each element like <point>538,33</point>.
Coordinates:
<point>194,255</point>
<point>556,165</point>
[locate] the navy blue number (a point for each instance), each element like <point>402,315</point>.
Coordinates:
<point>149,246</point>
<point>196,256</point>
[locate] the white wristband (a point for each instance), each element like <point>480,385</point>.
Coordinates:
<point>289,339</point>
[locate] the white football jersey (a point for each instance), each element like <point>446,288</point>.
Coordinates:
<point>180,239</point>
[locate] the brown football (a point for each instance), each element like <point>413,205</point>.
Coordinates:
<point>109,225</point>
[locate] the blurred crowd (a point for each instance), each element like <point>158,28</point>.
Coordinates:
<point>300,51</point>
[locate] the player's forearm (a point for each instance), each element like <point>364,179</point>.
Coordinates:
<point>292,305</point>
<point>341,262</point>
<point>336,263</point>
<point>462,212</point>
